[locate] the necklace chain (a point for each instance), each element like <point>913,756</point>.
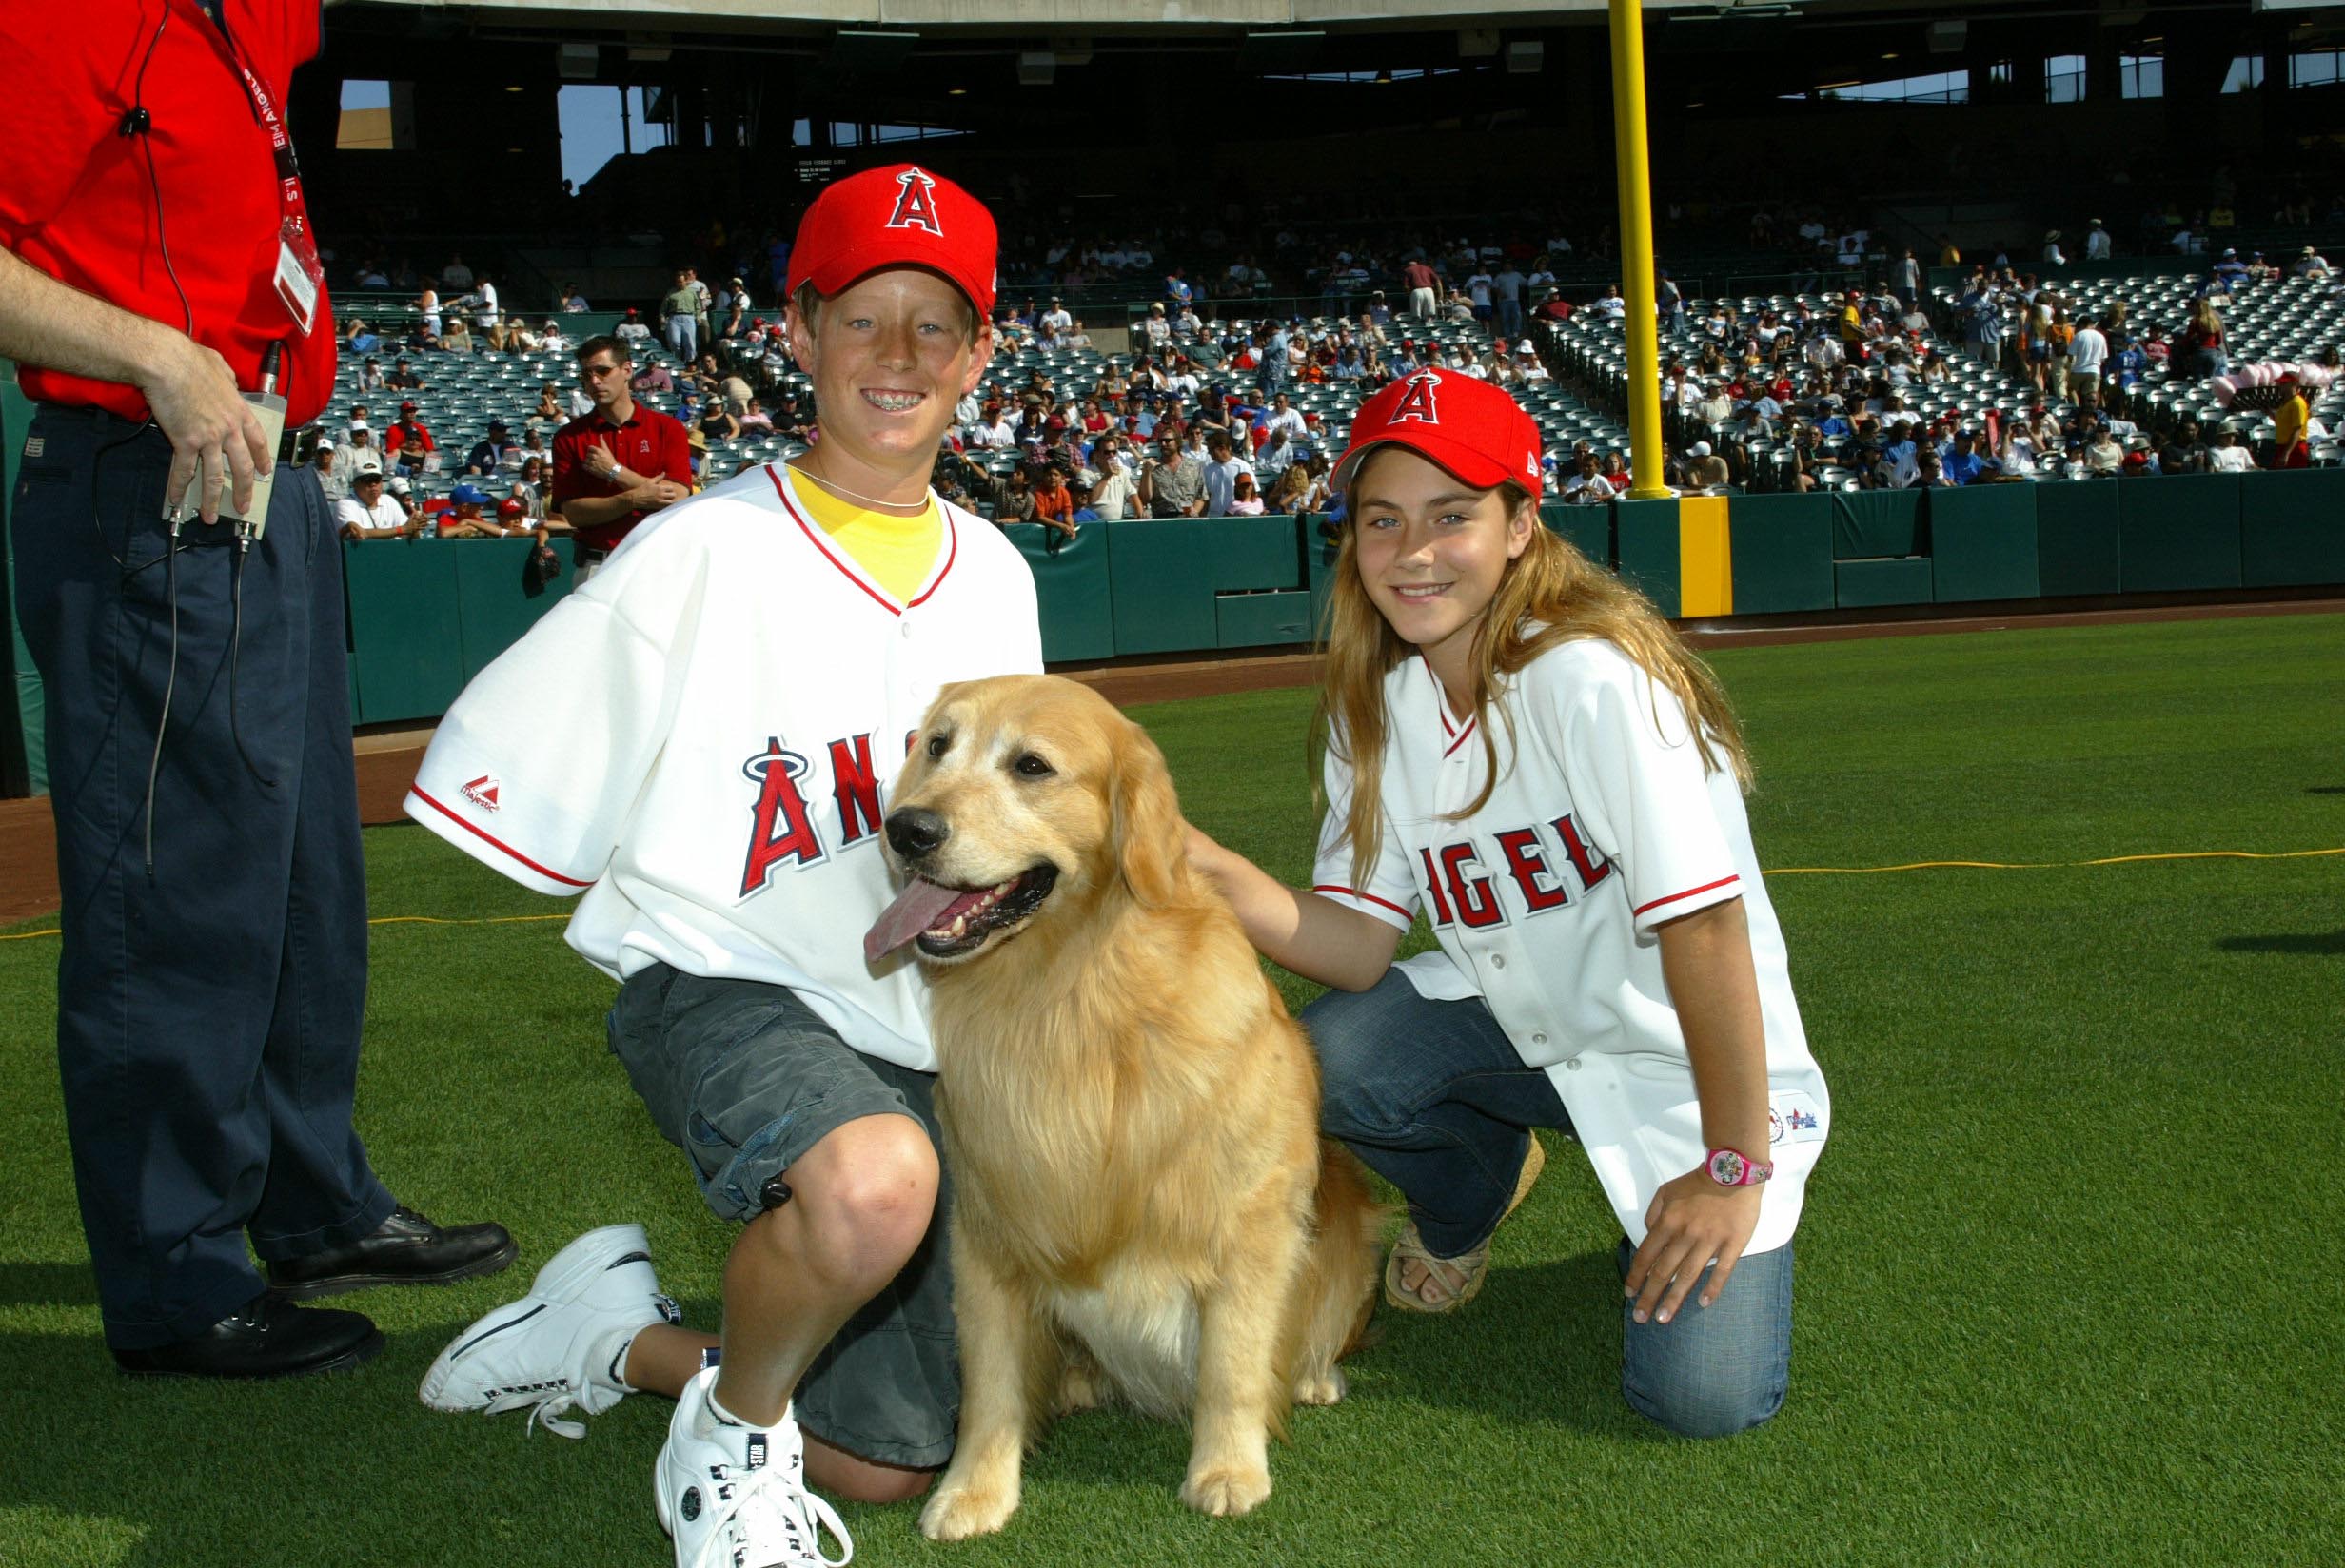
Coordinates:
<point>836,488</point>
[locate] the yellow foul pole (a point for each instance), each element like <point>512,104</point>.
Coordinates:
<point>1636,181</point>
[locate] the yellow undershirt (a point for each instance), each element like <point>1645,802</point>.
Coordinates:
<point>895,552</point>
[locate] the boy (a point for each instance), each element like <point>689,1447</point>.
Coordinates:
<point>761,657</point>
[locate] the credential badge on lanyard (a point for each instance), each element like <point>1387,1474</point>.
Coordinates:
<point>301,276</point>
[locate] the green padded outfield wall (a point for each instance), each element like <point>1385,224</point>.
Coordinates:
<point>2180,531</point>
<point>1869,524</point>
<point>1070,589</point>
<point>492,611</point>
<point>1869,584</point>
<point>1588,528</point>
<point>1166,574</point>
<point>1983,543</point>
<point>1645,547</point>
<point>23,752</point>
<point>1782,553</point>
<point>406,630</point>
<point>2292,528</point>
<point>2077,547</point>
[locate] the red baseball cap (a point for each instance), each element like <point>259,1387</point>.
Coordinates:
<point>510,507</point>
<point>897,216</point>
<point>1469,427</point>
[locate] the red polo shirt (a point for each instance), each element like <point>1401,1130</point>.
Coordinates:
<point>649,445</point>
<point>76,204</point>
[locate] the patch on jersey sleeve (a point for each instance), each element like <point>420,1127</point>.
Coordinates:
<point>482,792</point>
<point>1793,1117</point>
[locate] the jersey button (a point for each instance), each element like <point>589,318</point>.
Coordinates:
<point>1538,1039</point>
<point>1497,960</point>
<point>904,626</point>
<point>1572,1065</point>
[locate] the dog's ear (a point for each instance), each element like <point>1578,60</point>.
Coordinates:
<point>1151,840</point>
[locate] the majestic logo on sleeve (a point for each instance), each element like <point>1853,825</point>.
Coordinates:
<point>1417,400</point>
<point>916,202</point>
<point>482,792</point>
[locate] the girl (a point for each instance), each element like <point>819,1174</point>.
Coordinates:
<point>1245,502</point>
<point>1515,743</point>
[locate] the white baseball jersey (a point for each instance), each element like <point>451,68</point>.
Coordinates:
<point>700,739</point>
<point>1603,825</point>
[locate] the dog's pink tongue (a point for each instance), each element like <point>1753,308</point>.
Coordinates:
<point>920,907</point>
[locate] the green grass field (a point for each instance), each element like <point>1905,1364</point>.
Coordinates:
<point>2059,1279</point>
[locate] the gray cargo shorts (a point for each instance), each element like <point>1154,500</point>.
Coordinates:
<point>744,1077</point>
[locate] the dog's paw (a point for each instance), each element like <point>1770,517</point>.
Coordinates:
<point>957,1512</point>
<point>1225,1490</point>
<point>1080,1388</point>
<point>1324,1386</point>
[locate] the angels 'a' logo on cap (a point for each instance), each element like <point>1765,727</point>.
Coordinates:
<point>1417,400</point>
<point>1531,464</point>
<point>916,202</point>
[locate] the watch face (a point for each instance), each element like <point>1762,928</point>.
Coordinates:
<point>1728,1167</point>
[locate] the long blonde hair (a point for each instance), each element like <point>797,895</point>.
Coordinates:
<point>1549,593</point>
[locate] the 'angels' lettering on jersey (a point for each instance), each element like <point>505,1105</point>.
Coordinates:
<point>1460,878</point>
<point>782,827</point>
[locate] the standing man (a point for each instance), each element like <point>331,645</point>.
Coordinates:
<point>1423,286</point>
<point>1174,484</point>
<point>680,318</point>
<point>617,465</point>
<point>211,981</point>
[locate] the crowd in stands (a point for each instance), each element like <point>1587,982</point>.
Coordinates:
<point>1797,392</point>
<point>1819,385</point>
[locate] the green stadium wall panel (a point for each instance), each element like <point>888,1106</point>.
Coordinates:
<point>2292,528</point>
<point>1861,584</point>
<point>1250,554</point>
<point>1071,590</point>
<point>1646,549</point>
<point>406,626</point>
<point>2180,531</point>
<point>1588,528</point>
<point>1161,578</point>
<point>492,611</point>
<point>1262,620</point>
<point>1782,553</point>
<point>1318,568</point>
<point>1983,543</point>
<point>2078,549</point>
<point>1869,524</point>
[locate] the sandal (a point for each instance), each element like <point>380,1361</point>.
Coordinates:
<point>1473,1265</point>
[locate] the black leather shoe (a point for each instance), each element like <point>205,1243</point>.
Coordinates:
<point>266,1338</point>
<point>406,1249</point>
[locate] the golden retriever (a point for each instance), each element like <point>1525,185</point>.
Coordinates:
<point>1143,1206</point>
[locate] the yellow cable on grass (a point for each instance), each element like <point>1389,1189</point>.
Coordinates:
<point>1779,870</point>
<point>2049,865</point>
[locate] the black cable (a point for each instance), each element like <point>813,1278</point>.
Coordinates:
<point>138,123</point>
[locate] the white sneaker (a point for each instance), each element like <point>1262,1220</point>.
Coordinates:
<point>563,1345</point>
<point>734,1497</point>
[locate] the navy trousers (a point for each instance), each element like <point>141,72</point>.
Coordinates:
<point>207,1015</point>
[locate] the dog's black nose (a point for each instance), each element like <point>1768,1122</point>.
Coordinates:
<point>916,831</point>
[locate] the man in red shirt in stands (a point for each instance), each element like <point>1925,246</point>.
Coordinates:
<point>407,443</point>
<point>156,270</point>
<point>616,466</point>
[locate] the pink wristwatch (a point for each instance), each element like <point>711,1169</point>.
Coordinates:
<point>1731,1168</point>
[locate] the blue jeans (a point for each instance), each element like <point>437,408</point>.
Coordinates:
<point>1433,1097</point>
